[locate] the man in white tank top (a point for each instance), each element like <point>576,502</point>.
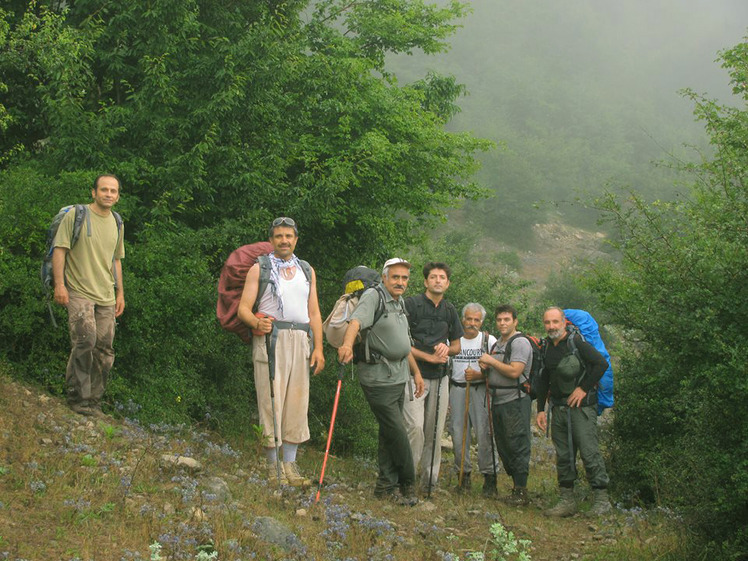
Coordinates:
<point>289,310</point>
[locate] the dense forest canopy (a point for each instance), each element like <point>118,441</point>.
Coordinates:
<point>217,117</point>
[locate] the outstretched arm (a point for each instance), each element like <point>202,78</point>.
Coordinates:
<point>417,378</point>
<point>58,272</point>
<point>246,304</point>
<point>317,360</point>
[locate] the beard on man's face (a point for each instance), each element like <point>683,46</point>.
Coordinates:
<point>555,334</point>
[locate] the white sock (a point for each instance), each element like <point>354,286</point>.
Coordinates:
<point>289,452</point>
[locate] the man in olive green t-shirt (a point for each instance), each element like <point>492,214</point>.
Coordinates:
<point>383,381</point>
<point>88,282</point>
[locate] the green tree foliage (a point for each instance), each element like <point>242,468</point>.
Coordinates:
<point>681,423</point>
<point>217,116</point>
<point>5,119</point>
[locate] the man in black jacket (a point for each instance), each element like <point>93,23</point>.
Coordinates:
<point>572,369</point>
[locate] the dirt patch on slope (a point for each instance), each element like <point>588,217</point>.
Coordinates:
<point>558,245</point>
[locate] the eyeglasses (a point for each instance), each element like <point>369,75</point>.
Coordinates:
<point>284,221</point>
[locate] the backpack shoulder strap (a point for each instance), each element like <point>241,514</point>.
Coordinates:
<point>81,214</point>
<point>571,343</point>
<point>493,347</point>
<point>118,221</point>
<point>379,312</point>
<point>264,262</point>
<point>417,305</point>
<point>448,309</point>
<point>508,348</point>
<point>307,268</point>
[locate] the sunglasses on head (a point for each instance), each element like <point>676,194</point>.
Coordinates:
<point>284,221</point>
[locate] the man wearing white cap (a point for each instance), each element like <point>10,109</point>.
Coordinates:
<point>380,316</point>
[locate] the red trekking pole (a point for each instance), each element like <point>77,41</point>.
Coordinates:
<point>341,372</point>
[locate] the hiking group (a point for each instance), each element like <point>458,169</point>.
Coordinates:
<point>416,359</point>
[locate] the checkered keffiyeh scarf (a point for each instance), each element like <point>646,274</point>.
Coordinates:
<point>276,264</point>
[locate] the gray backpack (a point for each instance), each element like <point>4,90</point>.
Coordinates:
<point>81,215</point>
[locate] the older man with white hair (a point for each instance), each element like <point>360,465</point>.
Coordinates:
<point>467,402</point>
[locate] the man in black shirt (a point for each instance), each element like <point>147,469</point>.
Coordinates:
<point>436,331</point>
<point>572,369</point>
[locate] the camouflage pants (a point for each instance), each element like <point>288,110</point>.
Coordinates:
<point>92,355</point>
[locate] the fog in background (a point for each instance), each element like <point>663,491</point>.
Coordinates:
<point>580,95</point>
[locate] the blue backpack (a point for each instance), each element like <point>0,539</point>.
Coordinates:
<point>591,332</point>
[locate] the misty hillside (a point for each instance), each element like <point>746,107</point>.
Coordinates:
<point>580,96</point>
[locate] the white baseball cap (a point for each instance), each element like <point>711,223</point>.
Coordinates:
<point>396,261</point>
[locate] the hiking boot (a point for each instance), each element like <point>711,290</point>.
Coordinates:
<point>407,496</point>
<point>566,505</point>
<point>518,497</point>
<point>489,485</point>
<point>295,479</point>
<point>273,475</point>
<point>97,412</point>
<point>384,494</point>
<point>82,408</point>
<point>465,486</point>
<point>600,502</point>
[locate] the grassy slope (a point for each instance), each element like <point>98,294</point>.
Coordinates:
<point>72,488</point>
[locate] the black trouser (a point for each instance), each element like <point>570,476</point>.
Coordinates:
<point>511,429</point>
<point>395,458</point>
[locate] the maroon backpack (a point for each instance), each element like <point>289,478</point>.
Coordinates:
<point>231,286</point>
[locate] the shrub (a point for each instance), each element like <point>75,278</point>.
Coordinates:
<point>682,412</point>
